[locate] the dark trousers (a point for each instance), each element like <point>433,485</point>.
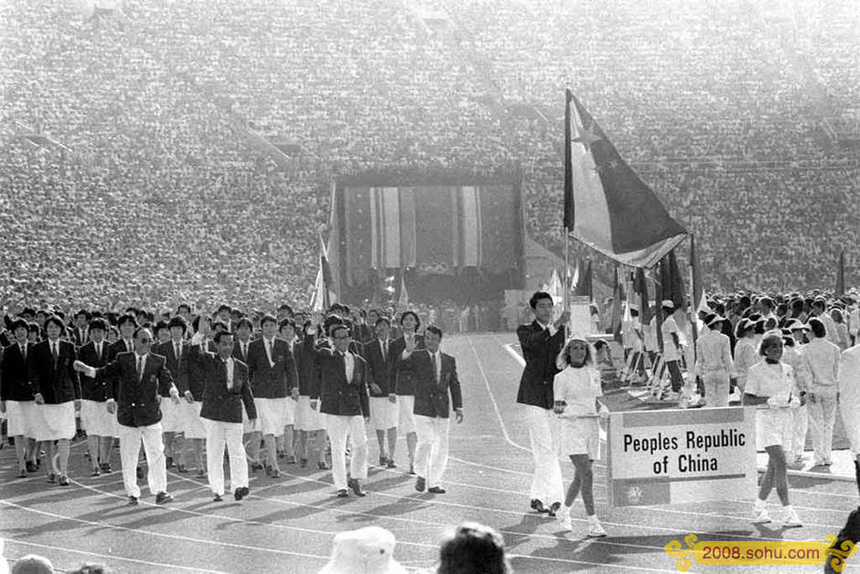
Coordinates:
<point>675,375</point>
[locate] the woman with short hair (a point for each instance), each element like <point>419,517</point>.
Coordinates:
<point>576,389</point>
<point>771,386</point>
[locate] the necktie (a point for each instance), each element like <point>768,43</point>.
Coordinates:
<point>384,351</point>
<point>226,374</point>
<point>433,363</point>
<point>24,351</point>
<point>270,347</point>
<point>55,353</point>
<point>140,368</point>
<point>99,351</point>
<point>178,351</point>
<point>342,359</point>
<point>245,352</point>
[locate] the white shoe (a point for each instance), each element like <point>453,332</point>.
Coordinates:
<point>762,517</point>
<point>595,530</point>
<point>564,518</point>
<point>790,519</point>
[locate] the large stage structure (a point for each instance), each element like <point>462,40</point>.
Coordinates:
<point>454,237</point>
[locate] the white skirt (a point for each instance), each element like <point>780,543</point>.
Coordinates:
<point>271,413</point>
<point>55,422</point>
<point>290,411</point>
<point>20,416</point>
<point>580,436</point>
<point>96,420</point>
<point>383,413</point>
<point>771,426</point>
<point>308,419</point>
<point>194,427</point>
<point>171,415</point>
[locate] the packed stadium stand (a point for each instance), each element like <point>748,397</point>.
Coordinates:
<point>151,148</point>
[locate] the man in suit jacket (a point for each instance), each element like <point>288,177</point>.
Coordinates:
<point>541,342</point>
<point>227,389</point>
<point>273,378</point>
<point>436,378</point>
<point>340,391</point>
<point>177,418</point>
<point>383,411</point>
<point>79,334</point>
<point>100,425</point>
<point>401,386</point>
<point>16,397</point>
<point>142,379</point>
<point>57,394</point>
<point>127,324</point>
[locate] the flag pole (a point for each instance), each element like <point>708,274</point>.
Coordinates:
<point>568,217</point>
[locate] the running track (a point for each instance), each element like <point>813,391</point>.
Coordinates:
<point>287,524</point>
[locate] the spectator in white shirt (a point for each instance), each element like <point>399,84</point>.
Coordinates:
<point>821,359</point>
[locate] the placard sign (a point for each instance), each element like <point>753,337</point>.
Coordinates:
<point>673,456</point>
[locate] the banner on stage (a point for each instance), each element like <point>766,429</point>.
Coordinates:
<point>675,456</point>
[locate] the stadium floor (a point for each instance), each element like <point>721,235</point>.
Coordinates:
<point>287,524</point>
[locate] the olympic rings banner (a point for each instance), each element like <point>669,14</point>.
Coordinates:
<point>674,456</point>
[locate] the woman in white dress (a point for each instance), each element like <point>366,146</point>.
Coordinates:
<point>576,389</point>
<point>771,386</point>
<point>746,353</point>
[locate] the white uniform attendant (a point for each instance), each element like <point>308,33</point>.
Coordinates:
<point>774,380</point>
<point>714,364</point>
<point>799,424</point>
<point>849,395</point>
<point>821,359</point>
<point>746,355</point>
<point>580,427</point>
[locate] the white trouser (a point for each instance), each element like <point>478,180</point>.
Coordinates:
<point>822,416</point>
<point>129,451</point>
<point>339,428</point>
<point>543,437</point>
<point>797,432</point>
<point>219,434</point>
<point>431,455</point>
<point>716,385</point>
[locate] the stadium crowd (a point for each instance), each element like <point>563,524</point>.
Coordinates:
<point>150,182</point>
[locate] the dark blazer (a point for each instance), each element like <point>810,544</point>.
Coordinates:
<point>237,351</point>
<point>402,379</point>
<point>431,398</point>
<point>58,383</point>
<point>78,336</point>
<point>118,347</point>
<point>540,352</point>
<point>337,395</point>
<point>93,389</point>
<point>115,349</point>
<point>271,382</point>
<point>137,401</point>
<point>219,402</point>
<point>15,382</point>
<point>380,368</point>
<point>303,352</point>
<point>179,369</point>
